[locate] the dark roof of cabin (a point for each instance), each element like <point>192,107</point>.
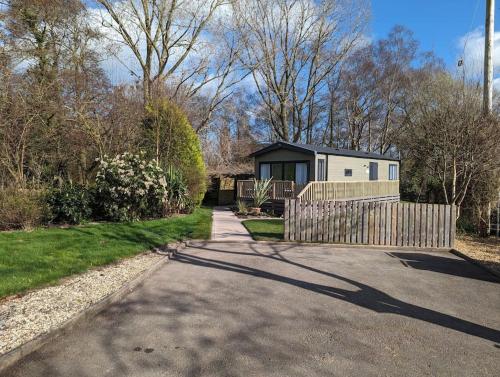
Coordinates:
<point>314,149</point>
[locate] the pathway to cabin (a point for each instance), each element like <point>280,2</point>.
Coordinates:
<point>227,227</point>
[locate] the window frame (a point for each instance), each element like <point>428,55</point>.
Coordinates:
<point>321,176</point>
<point>374,176</point>
<point>307,162</point>
<point>345,173</point>
<point>396,173</point>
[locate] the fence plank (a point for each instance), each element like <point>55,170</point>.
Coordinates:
<point>337,221</point>
<point>297,220</point>
<point>453,225</point>
<point>370,223</point>
<point>411,224</point>
<point>447,217</point>
<point>364,233</point>
<point>394,224</point>
<point>354,219</point>
<point>286,220</point>
<point>331,221</point>
<point>326,216</point>
<point>303,222</point>
<point>348,216</point>
<point>441,226</point>
<point>430,219</point>
<point>342,222</point>
<point>359,221</point>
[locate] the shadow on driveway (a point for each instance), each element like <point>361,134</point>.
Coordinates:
<point>367,297</point>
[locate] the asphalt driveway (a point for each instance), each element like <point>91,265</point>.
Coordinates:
<point>247,309</point>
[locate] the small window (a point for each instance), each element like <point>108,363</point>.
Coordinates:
<point>393,172</point>
<point>373,171</point>
<point>321,170</point>
<point>347,172</point>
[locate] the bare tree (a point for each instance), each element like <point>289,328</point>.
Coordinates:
<point>162,35</point>
<point>291,46</point>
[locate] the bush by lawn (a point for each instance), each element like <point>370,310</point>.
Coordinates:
<point>265,230</point>
<point>32,259</point>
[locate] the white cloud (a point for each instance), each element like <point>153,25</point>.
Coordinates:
<point>471,50</point>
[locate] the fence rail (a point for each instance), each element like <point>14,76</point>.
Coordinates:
<point>325,190</point>
<point>278,190</point>
<point>373,223</point>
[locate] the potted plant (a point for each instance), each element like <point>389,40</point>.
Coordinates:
<point>260,194</point>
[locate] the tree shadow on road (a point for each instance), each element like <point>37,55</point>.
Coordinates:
<point>366,296</point>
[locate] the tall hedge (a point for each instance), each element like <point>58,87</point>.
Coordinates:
<point>173,142</point>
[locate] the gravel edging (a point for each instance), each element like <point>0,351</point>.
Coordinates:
<point>40,316</point>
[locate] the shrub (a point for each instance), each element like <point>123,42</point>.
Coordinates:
<point>178,199</point>
<point>260,193</point>
<point>242,207</point>
<point>173,142</point>
<point>128,187</point>
<point>70,204</point>
<point>21,209</point>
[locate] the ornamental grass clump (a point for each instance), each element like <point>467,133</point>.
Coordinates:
<point>129,187</point>
<point>261,192</point>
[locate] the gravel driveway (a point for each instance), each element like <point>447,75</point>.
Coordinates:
<point>248,309</point>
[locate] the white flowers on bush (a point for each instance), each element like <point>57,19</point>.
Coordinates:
<point>130,187</point>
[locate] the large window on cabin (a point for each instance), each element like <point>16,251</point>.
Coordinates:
<point>287,171</point>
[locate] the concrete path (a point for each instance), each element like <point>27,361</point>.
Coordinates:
<point>257,309</point>
<point>227,227</point>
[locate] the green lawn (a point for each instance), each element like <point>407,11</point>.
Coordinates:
<point>265,230</point>
<point>32,259</point>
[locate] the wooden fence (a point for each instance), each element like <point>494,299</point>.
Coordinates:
<point>327,190</point>
<point>373,223</point>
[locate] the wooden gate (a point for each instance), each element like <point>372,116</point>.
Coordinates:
<point>373,223</point>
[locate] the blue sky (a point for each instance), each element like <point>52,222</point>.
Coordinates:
<point>439,25</point>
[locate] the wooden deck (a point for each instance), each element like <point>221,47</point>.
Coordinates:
<point>357,191</point>
<point>337,191</point>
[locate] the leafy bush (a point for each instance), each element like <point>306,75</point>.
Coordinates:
<point>128,187</point>
<point>260,193</point>
<point>173,142</point>
<point>21,209</point>
<point>70,204</point>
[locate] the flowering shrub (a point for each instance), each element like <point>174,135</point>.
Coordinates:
<point>128,187</point>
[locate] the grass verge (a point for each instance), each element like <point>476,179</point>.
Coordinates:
<point>265,230</point>
<point>43,256</point>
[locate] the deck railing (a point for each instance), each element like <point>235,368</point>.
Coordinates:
<point>325,190</point>
<point>278,190</point>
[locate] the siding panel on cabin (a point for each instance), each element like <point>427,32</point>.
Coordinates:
<point>359,166</point>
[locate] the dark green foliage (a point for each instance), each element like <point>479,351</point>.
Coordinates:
<point>70,204</point>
